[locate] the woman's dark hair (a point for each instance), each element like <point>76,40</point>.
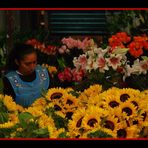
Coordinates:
<point>17,53</point>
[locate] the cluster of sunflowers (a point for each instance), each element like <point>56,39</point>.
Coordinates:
<point>66,113</point>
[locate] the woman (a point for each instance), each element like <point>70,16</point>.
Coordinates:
<point>25,80</point>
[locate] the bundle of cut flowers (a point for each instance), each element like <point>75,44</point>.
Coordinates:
<point>124,57</point>
<point>66,113</point>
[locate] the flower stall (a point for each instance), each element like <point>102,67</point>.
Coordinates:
<point>100,91</point>
<point>65,113</point>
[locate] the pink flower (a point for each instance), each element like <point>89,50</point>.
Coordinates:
<point>61,76</point>
<point>77,75</point>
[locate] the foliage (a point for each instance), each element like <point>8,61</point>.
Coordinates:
<point>138,82</point>
<point>59,121</point>
<point>131,21</point>
<point>3,52</point>
<point>98,134</point>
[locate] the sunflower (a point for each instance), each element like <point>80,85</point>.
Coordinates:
<point>40,102</point>
<point>52,69</point>
<point>88,93</point>
<point>69,112</point>
<point>143,114</point>
<point>138,120</point>
<point>112,93</point>
<point>52,131</point>
<point>55,93</point>
<point>13,118</point>
<point>128,112</point>
<point>136,101</point>
<point>58,106</point>
<point>122,116</point>
<point>83,100</point>
<point>144,130</point>
<point>92,117</point>
<point>117,112</point>
<point>109,122</point>
<point>60,132</point>
<point>35,111</point>
<point>20,108</point>
<point>109,99</point>
<point>69,89</point>
<point>12,121</point>
<point>75,123</point>
<point>99,132</point>
<point>9,103</point>
<point>128,132</point>
<point>127,93</point>
<point>93,90</point>
<point>143,100</point>
<point>45,121</point>
<point>59,113</point>
<point>7,125</point>
<point>94,100</point>
<point>70,101</point>
<point>145,92</point>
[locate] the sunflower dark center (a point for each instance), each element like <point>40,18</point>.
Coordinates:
<point>113,104</point>
<point>79,122</point>
<point>69,114</point>
<point>56,95</point>
<point>109,125</point>
<point>121,133</point>
<point>135,122</point>
<point>91,122</point>
<point>127,110</point>
<point>124,97</point>
<point>127,122</point>
<point>77,136</point>
<point>135,103</point>
<point>144,115</point>
<point>57,107</point>
<point>69,102</point>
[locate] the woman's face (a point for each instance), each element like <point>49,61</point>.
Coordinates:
<point>27,65</point>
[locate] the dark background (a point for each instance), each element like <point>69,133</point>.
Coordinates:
<point>73,3</point>
<point>5,4</point>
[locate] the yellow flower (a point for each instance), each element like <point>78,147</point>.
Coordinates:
<point>75,124</point>
<point>40,103</point>
<point>35,111</point>
<point>52,133</point>
<point>93,90</point>
<point>55,93</point>
<point>7,124</point>
<point>45,121</point>
<point>9,103</point>
<point>91,118</point>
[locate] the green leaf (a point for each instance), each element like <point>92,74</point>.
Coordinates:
<point>5,132</point>
<point>99,134</point>
<point>42,133</point>
<point>63,135</point>
<point>25,119</point>
<point>59,121</point>
<point>2,107</point>
<point>61,63</point>
<point>74,93</point>
<point>3,117</point>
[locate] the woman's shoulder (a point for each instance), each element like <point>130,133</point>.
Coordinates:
<point>39,67</point>
<point>10,73</point>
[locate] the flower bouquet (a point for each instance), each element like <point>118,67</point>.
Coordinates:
<point>121,60</point>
